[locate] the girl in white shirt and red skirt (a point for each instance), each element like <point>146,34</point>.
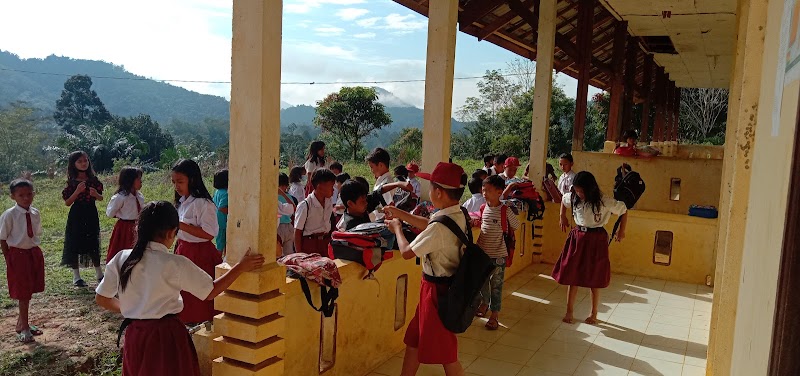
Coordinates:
<point>198,227</point>
<point>584,261</point>
<point>125,205</point>
<point>145,283</point>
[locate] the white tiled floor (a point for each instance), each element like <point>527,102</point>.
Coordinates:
<point>649,327</point>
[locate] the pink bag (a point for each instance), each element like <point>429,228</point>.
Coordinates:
<point>321,270</point>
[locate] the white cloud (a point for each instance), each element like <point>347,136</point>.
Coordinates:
<point>316,49</point>
<point>368,22</point>
<point>397,23</point>
<point>365,35</point>
<point>349,14</point>
<point>305,6</point>
<point>330,31</point>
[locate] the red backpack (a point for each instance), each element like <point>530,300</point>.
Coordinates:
<point>525,191</point>
<point>509,238</point>
<point>359,247</point>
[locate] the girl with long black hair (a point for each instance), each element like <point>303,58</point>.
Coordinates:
<point>82,233</point>
<point>125,205</point>
<point>145,285</point>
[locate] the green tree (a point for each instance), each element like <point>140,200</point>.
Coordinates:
<point>351,115</point>
<point>80,105</point>
<point>148,131</point>
<point>104,144</point>
<point>408,145</point>
<point>294,146</point>
<point>20,141</point>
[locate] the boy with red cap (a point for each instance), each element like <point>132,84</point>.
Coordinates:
<point>20,229</point>
<point>413,169</point>
<point>510,168</point>
<point>427,340</point>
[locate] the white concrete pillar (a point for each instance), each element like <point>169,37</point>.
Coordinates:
<point>540,126</point>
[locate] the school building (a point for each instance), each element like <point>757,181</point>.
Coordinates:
<point>689,295</point>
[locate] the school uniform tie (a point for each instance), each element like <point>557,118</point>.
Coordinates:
<point>29,223</point>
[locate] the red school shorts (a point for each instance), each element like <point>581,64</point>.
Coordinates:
<point>25,272</point>
<point>426,333</point>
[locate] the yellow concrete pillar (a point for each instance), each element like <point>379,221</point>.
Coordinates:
<point>251,325</point>
<point>735,190</point>
<point>441,56</point>
<point>540,124</point>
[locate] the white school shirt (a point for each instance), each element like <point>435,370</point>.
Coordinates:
<point>473,204</point>
<point>439,248</point>
<point>417,187</point>
<point>491,237</point>
<point>565,182</point>
<point>313,217</point>
<point>123,206</point>
<point>199,212</point>
<point>14,227</point>
<point>387,196</point>
<point>585,216</point>
<point>298,191</point>
<point>311,167</point>
<point>155,284</point>
<point>490,170</point>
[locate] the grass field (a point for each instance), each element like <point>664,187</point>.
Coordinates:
<point>80,337</point>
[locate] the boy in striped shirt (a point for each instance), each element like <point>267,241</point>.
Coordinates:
<point>492,242</point>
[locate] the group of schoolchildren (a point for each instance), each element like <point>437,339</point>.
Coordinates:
<point>159,292</point>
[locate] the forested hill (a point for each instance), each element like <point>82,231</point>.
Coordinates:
<point>131,94</point>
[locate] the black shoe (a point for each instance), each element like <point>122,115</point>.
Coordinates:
<point>80,283</point>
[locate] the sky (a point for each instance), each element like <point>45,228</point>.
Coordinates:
<point>323,41</point>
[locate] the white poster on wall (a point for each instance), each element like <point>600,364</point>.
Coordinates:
<point>788,58</point>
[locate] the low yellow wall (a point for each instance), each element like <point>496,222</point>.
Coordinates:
<point>700,151</point>
<point>694,241</point>
<point>700,179</point>
<point>365,336</point>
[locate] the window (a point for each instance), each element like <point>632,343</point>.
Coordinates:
<point>662,249</point>
<point>401,297</point>
<point>327,340</point>
<point>675,189</point>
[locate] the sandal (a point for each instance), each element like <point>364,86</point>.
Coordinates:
<point>481,312</point>
<point>25,336</point>
<point>492,324</point>
<point>35,330</point>
<point>79,283</point>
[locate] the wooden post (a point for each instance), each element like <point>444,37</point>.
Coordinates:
<point>660,104</point>
<point>647,90</point>
<point>630,80</point>
<point>442,18</point>
<point>584,47</point>
<point>540,123</point>
<point>676,127</point>
<point>617,81</point>
<point>252,339</point>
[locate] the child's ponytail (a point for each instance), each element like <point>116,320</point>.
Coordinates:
<point>156,219</point>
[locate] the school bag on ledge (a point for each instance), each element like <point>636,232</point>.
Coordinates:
<point>458,305</point>
<point>365,249</point>
<point>318,269</point>
<point>628,188</point>
<point>527,193</point>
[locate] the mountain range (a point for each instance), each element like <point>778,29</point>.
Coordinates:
<point>39,83</point>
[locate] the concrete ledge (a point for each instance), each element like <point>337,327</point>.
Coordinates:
<point>229,367</point>
<point>252,306</point>
<point>250,330</point>
<point>247,352</point>
<point>270,277</point>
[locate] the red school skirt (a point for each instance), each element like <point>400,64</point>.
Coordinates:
<point>435,344</point>
<point>122,237</point>
<point>206,256</point>
<point>159,347</point>
<point>584,260</point>
<point>24,272</point>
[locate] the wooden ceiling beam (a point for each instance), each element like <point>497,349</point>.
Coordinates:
<point>496,25</point>
<point>572,34</point>
<point>475,10</point>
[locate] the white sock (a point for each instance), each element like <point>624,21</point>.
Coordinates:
<point>76,275</point>
<point>99,272</point>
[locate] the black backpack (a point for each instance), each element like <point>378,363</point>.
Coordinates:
<point>457,307</point>
<point>628,188</point>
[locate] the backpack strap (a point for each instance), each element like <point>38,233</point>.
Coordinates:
<point>466,239</point>
<point>327,297</point>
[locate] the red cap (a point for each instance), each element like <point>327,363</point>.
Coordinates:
<point>413,167</point>
<point>447,175</point>
<point>512,162</point>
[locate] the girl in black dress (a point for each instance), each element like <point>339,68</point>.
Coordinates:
<point>82,235</point>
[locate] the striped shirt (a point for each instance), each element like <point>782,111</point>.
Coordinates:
<point>491,237</point>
